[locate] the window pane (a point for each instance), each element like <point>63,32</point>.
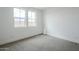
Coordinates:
<point>29,20</point>
<point>22,20</point>
<point>31,24</point>
<point>19,18</point>
<point>29,14</point>
<point>20,24</point>
<point>22,13</point>
<point>16,19</point>
<point>33,15</point>
<point>16,12</point>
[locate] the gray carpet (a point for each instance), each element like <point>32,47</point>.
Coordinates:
<point>41,43</point>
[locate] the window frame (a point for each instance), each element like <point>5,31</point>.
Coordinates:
<point>32,18</point>
<point>19,18</point>
<point>26,18</point>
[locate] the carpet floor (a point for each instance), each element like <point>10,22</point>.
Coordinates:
<point>41,43</point>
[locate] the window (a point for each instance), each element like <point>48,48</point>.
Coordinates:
<point>19,18</point>
<point>31,19</point>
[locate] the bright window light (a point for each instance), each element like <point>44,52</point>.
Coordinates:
<point>31,19</point>
<point>19,18</point>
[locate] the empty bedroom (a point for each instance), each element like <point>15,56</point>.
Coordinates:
<point>39,28</point>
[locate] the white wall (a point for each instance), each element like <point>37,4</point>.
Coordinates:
<point>63,23</point>
<point>9,33</point>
